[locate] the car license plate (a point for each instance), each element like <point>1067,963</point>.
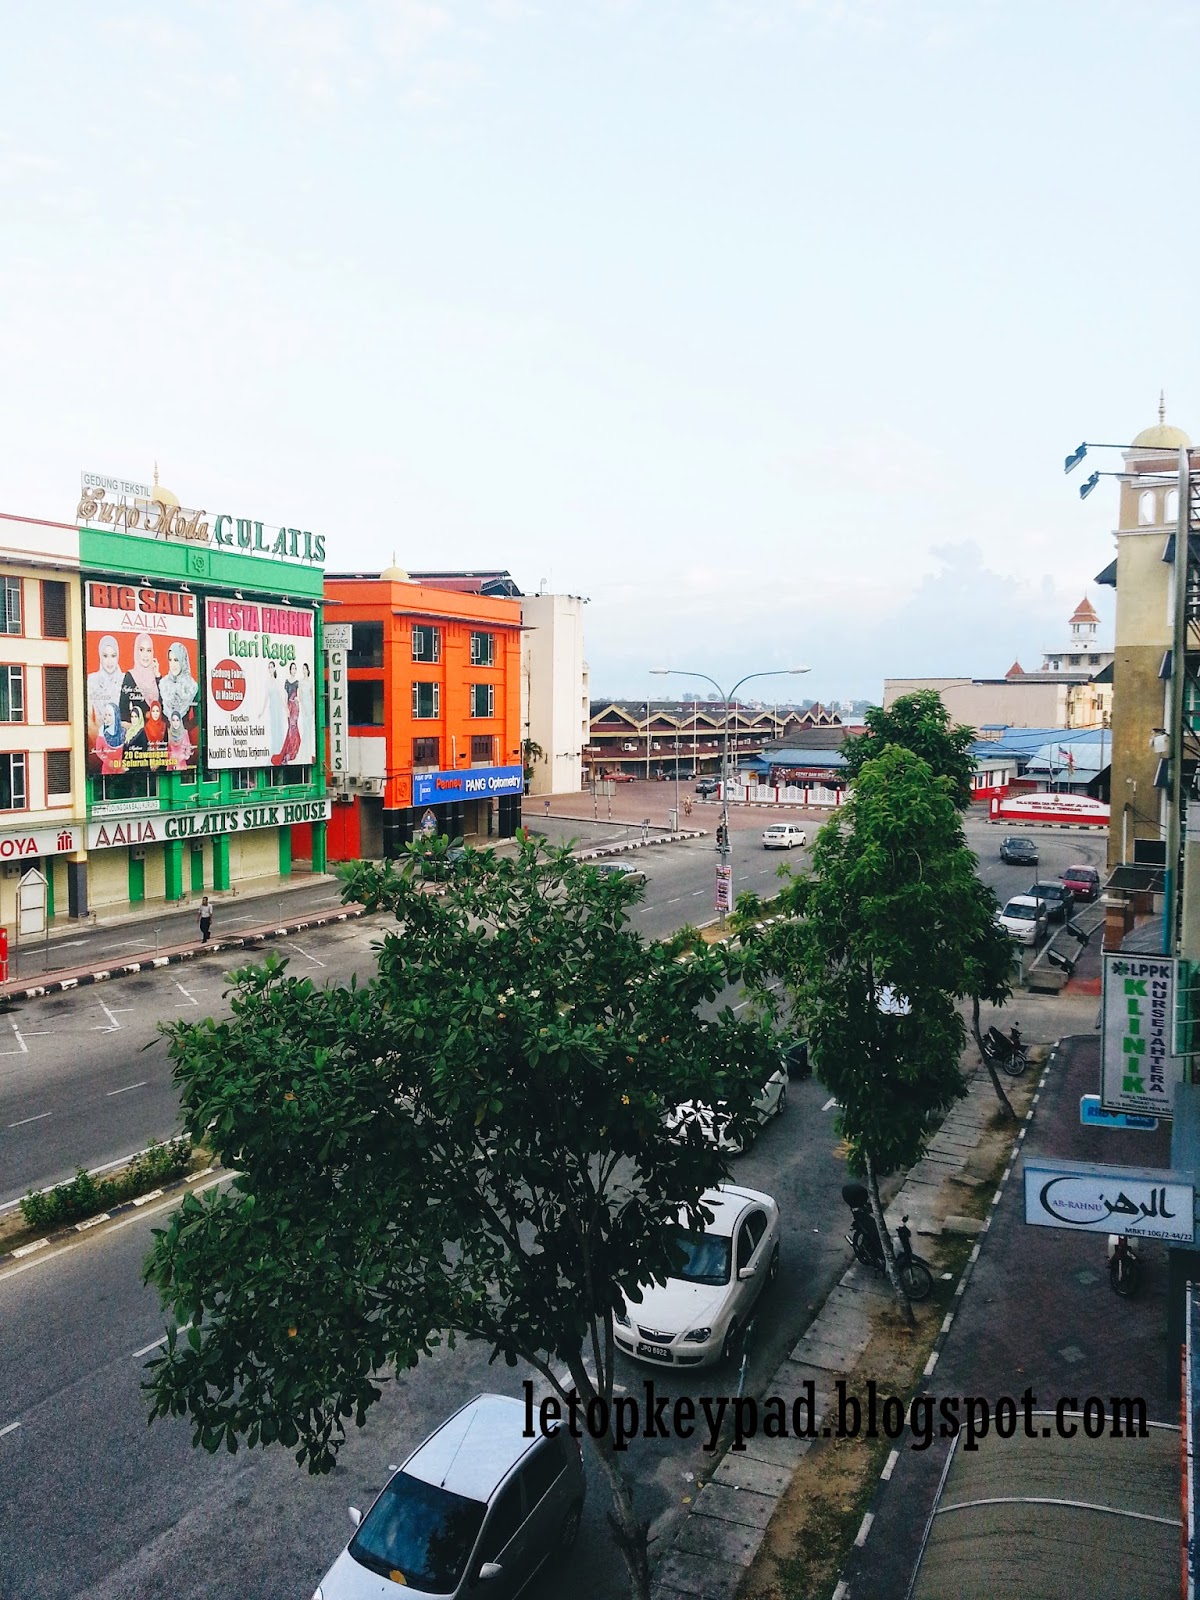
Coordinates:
<point>660,1352</point>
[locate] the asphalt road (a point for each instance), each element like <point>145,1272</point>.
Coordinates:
<point>93,1504</point>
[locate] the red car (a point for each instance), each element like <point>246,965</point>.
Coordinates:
<point>1083,882</point>
<point>617,777</point>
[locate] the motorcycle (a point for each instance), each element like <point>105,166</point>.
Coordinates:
<point>916,1276</point>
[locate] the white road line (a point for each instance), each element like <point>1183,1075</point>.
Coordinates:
<point>190,998</point>
<point>41,1117</point>
<point>69,944</point>
<point>304,953</point>
<point>99,1027</point>
<point>141,1084</point>
<point>12,1428</point>
<point>128,944</point>
<point>146,1349</point>
<point>22,1048</point>
<point>890,1466</point>
<point>830,1103</point>
<point>246,918</point>
<point>695,892</point>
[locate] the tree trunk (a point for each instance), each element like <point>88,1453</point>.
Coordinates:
<point>885,1240</point>
<point>629,1535</point>
<point>988,1062</point>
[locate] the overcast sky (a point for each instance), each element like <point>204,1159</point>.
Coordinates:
<point>764,324</point>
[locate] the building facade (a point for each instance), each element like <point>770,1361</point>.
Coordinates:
<point>654,739</point>
<point>554,691</point>
<point>425,712</point>
<point>201,718</point>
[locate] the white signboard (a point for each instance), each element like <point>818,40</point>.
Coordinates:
<point>1137,1070</point>
<point>339,743</point>
<point>31,904</point>
<point>1050,806</point>
<point>260,688</point>
<point>1139,1201</point>
<point>338,635</point>
<point>28,842</point>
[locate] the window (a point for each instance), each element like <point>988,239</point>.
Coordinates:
<point>1146,507</point>
<point>426,699</point>
<point>10,606</point>
<point>54,610</point>
<point>426,752</point>
<point>58,775</point>
<point>243,779</point>
<point>426,643</point>
<point>749,1234</point>
<point>540,1471</point>
<point>282,776</point>
<point>13,795</point>
<point>366,645</point>
<point>54,690</point>
<point>506,1517</point>
<point>12,694</point>
<point>482,746</point>
<point>483,649</point>
<point>483,699</point>
<point>364,703</point>
<point>127,786</point>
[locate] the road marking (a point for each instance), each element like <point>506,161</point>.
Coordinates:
<point>41,1117</point>
<point>246,918</point>
<point>890,1466</point>
<point>146,1349</point>
<point>830,1103</point>
<point>304,953</point>
<point>69,944</point>
<point>141,1084</point>
<point>99,1026</point>
<point>695,892</point>
<point>129,944</point>
<point>864,1530</point>
<point>12,1428</point>
<point>190,998</point>
<point>22,1048</point>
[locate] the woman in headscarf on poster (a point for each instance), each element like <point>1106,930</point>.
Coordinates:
<point>139,690</point>
<point>109,747</point>
<point>178,690</point>
<point>179,744</point>
<point>104,686</point>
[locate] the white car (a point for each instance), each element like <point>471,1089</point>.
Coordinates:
<point>1024,917</point>
<point>783,835</point>
<point>713,1121</point>
<point>697,1317</point>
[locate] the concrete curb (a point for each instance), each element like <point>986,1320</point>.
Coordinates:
<point>251,939</point>
<point>711,1545</point>
<point>640,844</point>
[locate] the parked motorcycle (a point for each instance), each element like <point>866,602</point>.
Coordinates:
<point>916,1276</point>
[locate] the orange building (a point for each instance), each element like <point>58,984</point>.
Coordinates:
<point>424,696</point>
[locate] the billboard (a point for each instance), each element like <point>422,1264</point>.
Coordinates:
<point>142,678</point>
<point>260,693</point>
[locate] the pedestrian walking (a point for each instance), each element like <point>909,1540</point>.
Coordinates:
<point>205,914</point>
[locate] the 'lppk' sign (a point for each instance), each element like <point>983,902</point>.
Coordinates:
<point>1137,1070</point>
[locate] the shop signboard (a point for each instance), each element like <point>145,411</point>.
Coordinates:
<point>260,693</point>
<point>1055,807</point>
<point>1093,1115</point>
<point>142,672</point>
<point>336,658</point>
<point>168,825</point>
<point>26,843</point>
<point>1142,1202</point>
<point>474,783</point>
<point>1138,1072</point>
<point>127,507</point>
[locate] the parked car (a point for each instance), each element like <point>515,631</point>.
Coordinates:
<point>714,1121</point>
<point>618,777</point>
<point>452,1517</point>
<point>1020,852</point>
<point>614,869</point>
<point>686,777</point>
<point>783,835</point>
<point>697,1316</point>
<point>1057,899</point>
<point>1083,882</point>
<point>707,786</point>
<point>1025,918</point>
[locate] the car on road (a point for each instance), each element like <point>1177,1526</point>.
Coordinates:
<point>475,1510</point>
<point>713,1122</point>
<point>783,835</point>
<point>1025,919</point>
<point>699,1315</point>
<point>708,786</point>
<point>1019,851</point>
<point>618,777</point>
<point>615,869</point>
<point>1057,899</point>
<point>1083,882</point>
<point>685,777</point>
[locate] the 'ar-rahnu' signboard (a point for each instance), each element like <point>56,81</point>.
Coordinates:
<point>1137,1070</point>
<point>260,690</point>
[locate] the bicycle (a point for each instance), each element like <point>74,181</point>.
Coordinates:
<point>1124,1267</point>
<point>1007,1052</point>
<point>915,1274</point>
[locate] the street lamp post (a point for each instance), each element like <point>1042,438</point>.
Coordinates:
<point>723,832</point>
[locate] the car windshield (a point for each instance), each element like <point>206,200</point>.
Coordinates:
<point>424,1533</point>
<point>1021,844</point>
<point>705,1256</point>
<point>1020,913</point>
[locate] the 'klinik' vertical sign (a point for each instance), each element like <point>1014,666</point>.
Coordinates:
<point>1137,1070</point>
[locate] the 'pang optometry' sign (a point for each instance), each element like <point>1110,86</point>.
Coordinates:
<point>473,783</point>
<point>1139,1201</point>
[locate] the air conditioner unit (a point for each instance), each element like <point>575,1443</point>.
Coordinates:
<point>353,781</point>
<point>12,869</point>
<point>371,785</point>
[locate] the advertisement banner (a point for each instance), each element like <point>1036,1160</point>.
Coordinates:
<point>1138,1201</point>
<point>142,679</point>
<point>1137,1070</point>
<point>474,783</point>
<point>724,895</point>
<point>260,695</point>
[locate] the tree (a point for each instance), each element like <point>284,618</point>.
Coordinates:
<point>874,948</point>
<point>471,1142</point>
<point>918,722</point>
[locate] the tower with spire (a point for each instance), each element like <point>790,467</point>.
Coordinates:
<point>1082,653</point>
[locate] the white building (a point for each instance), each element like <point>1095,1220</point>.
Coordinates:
<point>555,703</point>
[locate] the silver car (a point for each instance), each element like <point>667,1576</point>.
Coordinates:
<point>474,1511</point>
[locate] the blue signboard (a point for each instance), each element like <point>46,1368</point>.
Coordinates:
<point>1093,1115</point>
<point>473,783</point>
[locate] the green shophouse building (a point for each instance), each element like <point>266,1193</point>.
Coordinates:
<point>232,791</point>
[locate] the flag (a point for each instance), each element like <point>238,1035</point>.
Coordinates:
<point>1067,756</point>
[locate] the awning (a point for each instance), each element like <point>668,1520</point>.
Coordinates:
<point>1135,878</point>
<point>1108,576</point>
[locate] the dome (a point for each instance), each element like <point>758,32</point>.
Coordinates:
<point>163,496</point>
<point>1162,436</point>
<point>394,575</point>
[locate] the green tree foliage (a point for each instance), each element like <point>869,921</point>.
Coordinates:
<point>470,1142</point>
<point>918,722</point>
<point>875,948</point>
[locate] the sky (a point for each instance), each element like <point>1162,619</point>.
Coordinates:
<point>763,324</point>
